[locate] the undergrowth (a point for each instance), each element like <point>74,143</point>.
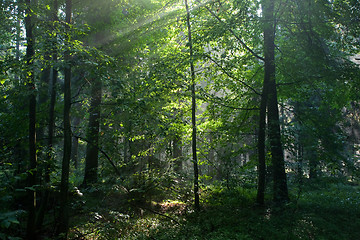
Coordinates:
<point>324,210</point>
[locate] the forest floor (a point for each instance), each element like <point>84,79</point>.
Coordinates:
<point>322,210</point>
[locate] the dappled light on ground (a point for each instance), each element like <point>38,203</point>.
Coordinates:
<point>318,214</point>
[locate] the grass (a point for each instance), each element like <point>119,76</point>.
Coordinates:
<point>325,210</point>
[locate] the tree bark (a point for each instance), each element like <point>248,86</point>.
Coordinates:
<point>75,143</point>
<point>280,193</point>
<point>51,125</point>
<point>64,186</point>
<point>30,52</point>
<point>193,112</point>
<point>92,148</point>
<point>261,145</point>
<point>177,154</point>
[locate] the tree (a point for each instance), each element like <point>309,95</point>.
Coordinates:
<point>98,16</point>
<point>30,81</point>
<point>193,111</point>
<point>320,51</point>
<point>64,186</point>
<point>169,88</point>
<point>92,149</point>
<point>261,148</point>
<point>277,154</point>
<point>49,159</point>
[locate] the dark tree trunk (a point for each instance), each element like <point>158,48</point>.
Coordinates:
<point>212,167</point>
<point>92,148</point>
<point>51,124</point>
<point>193,112</point>
<point>127,141</point>
<point>300,157</point>
<point>177,154</point>
<point>19,13</point>
<point>75,143</point>
<point>279,175</point>
<point>261,145</point>
<point>30,52</point>
<point>64,186</point>
<point>313,162</point>
<point>42,99</point>
<point>75,151</point>
<point>19,149</point>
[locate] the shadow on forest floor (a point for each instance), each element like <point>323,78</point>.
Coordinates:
<point>324,210</point>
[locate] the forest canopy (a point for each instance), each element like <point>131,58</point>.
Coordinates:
<point>149,119</point>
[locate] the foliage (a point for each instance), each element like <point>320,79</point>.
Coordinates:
<point>326,209</point>
<point>139,51</point>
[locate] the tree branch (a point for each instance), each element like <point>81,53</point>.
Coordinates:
<point>208,96</point>
<point>231,76</point>
<point>235,35</point>
<point>101,150</point>
<point>161,214</point>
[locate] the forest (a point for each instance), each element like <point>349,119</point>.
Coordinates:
<point>193,119</point>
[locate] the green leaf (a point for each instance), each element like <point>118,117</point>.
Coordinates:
<point>5,224</point>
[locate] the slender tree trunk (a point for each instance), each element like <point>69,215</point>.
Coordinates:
<point>279,175</point>
<point>92,148</point>
<point>261,145</point>
<point>43,97</point>
<point>193,112</point>
<point>19,147</point>
<point>313,161</point>
<point>211,156</point>
<point>64,186</point>
<point>19,13</point>
<point>30,52</point>
<point>177,154</point>
<point>75,145</point>
<point>76,120</point>
<point>300,157</point>
<point>127,141</point>
<point>51,124</point>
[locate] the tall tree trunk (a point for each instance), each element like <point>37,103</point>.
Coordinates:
<point>279,175</point>
<point>193,112</point>
<point>30,52</point>
<point>51,125</point>
<point>92,148</point>
<point>261,145</point>
<point>19,13</point>
<point>43,97</point>
<point>19,148</point>
<point>64,186</point>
